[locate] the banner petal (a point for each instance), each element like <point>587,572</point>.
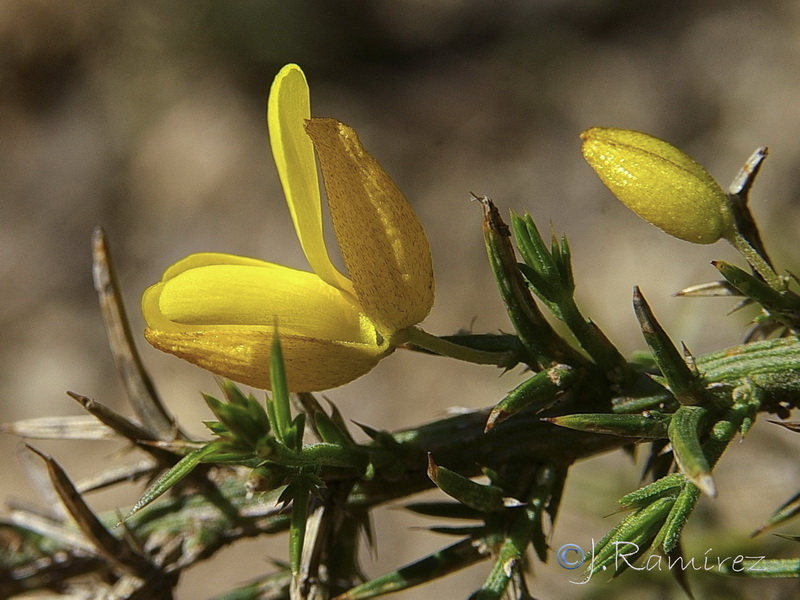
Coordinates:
<point>382,241</point>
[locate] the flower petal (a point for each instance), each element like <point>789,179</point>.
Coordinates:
<point>288,108</point>
<point>218,311</point>
<point>243,354</point>
<point>222,290</point>
<point>382,241</point>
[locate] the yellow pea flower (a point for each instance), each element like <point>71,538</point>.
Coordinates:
<point>220,311</point>
<point>660,183</point>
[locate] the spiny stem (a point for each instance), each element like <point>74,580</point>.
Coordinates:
<point>440,346</point>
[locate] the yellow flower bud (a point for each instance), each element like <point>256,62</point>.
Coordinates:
<point>660,183</point>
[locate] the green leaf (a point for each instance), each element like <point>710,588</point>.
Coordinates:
<point>652,425</point>
<point>280,390</point>
<point>759,567</point>
<point>181,469</point>
<point>238,420</point>
<point>684,432</point>
<point>543,345</point>
<point>669,485</point>
<point>588,335</point>
<point>217,428</point>
<point>509,557</point>
<point>683,382</point>
<point>446,510</point>
<point>267,477</point>
<point>297,529</point>
<point>232,392</point>
<point>258,416</point>
<point>545,496</point>
<point>485,498</point>
<point>540,391</point>
<point>269,409</point>
<point>635,532</point>
<point>786,512</point>
<point>747,399</point>
<point>783,305</point>
<point>669,535</point>
<point>339,421</point>
<point>549,275</point>
<point>294,435</point>
<point>563,260</point>
<point>330,432</point>
<point>539,268</point>
<point>533,249</point>
<point>224,412</point>
<point>275,585</point>
<point>448,560</point>
<point>723,432</point>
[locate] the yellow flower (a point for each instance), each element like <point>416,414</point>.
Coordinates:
<point>220,311</point>
<point>660,183</point>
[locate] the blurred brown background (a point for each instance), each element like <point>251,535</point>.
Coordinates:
<point>148,118</point>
